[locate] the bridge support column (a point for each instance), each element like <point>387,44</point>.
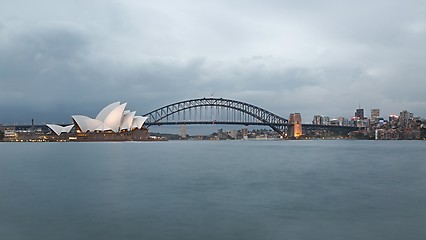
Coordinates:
<point>295,127</point>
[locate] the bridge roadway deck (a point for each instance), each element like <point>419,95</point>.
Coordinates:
<point>212,123</point>
<point>305,126</point>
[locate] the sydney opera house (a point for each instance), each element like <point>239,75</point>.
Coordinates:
<point>113,123</point>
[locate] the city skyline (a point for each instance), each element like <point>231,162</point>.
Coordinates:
<point>360,114</point>
<point>305,120</point>
<point>318,58</point>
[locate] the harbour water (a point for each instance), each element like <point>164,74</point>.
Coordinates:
<point>213,190</point>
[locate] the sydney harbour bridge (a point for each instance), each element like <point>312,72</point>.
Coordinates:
<point>229,112</point>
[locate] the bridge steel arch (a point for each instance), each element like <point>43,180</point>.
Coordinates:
<point>161,115</point>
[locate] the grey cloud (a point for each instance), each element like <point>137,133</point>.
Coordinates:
<point>313,57</point>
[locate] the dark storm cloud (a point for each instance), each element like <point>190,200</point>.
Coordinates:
<point>51,70</point>
<point>313,57</point>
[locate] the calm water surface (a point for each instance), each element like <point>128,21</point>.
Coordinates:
<point>213,190</point>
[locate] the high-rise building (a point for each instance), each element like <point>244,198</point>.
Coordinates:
<point>374,116</point>
<point>317,120</point>
<point>375,113</point>
<point>404,117</point>
<point>359,113</point>
<point>326,120</point>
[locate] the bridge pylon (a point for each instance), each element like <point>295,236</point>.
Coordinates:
<point>295,126</point>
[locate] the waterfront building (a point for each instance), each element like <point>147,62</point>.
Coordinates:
<point>233,134</point>
<point>374,117</point>
<point>112,118</point>
<point>375,113</point>
<point>113,123</point>
<point>334,122</point>
<point>405,117</point>
<point>58,129</point>
<point>244,133</point>
<point>393,118</point>
<point>357,122</point>
<point>10,134</point>
<point>1,132</point>
<point>183,131</point>
<point>342,121</point>
<point>423,132</point>
<point>23,133</point>
<point>326,120</point>
<point>359,113</point>
<point>317,120</point>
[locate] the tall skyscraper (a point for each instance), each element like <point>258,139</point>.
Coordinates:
<point>375,113</point>
<point>359,113</point>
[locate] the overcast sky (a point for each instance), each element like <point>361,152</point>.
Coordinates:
<point>59,58</point>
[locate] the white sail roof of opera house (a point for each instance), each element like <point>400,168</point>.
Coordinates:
<point>113,117</point>
<point>86,123</point>
<point>127,121</point>
<point>138,121</point>
<point>103,114</point>
<point>58,129</point>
